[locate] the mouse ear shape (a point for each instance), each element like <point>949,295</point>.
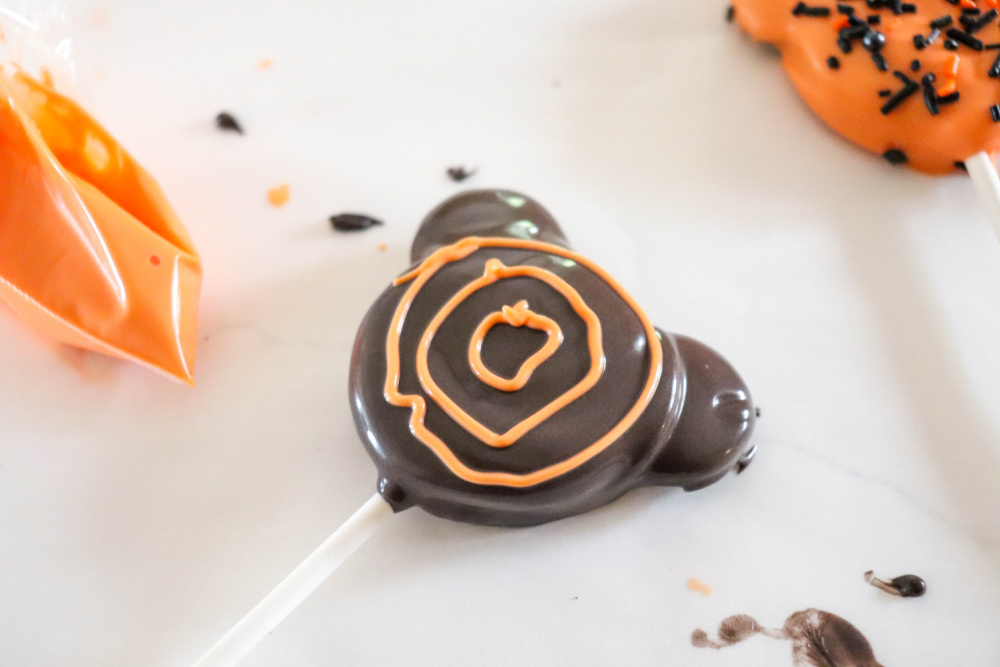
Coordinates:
<point>495,213</point>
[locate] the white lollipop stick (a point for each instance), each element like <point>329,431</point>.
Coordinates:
<point>297,586</point>
<point>983,172</point>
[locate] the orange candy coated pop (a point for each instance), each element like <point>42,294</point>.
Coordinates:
<point>91,253</point>
<point>834,62</point>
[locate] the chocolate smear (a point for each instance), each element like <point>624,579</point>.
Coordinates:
<point>907,585</point>
<point>460,173</point>
<point>819,639</point>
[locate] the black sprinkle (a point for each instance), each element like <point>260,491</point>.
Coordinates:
<point>942,22</point>
<point>994,70</point>
<point>948,99</point>
<point>459,174</point>
<point>914,65</point>
<point>902,77</point>
<point>855,31</point>
<point>885,92</point>
<point>802,9</point>
<point>964,38</point>
<point>952,2</point>
<point>730,13</point>
<point>874,19</point>
<point>844,44</point>
<point>930,95</point>
<point>991,47</point>
<point>951,45</point>
<point>873,40</point>
<point>895,156</point>
<point>960,165</point>
<point>845,9</point>
<point>832,62</point>
<point>352,222</point>
<point>995,113</point>
<point>880,61</point>
<point>931,38</point>
<point>908,8</point>
<point>756,412</point>
<point>899,97</point>
<point>226,121</point>
<point>909,585</point>
<point>966,11</point>
<point>986,19</point>
<point>920,42</point>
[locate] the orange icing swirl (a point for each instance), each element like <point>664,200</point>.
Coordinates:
<point>495,271</point>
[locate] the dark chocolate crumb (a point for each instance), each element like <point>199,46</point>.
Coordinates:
<point>960,165</point>
<point>915,65</point>
<point>995,113</point>
<point>832,62</point>
<point>756,412</point>
<point>226,121</point>
<point>459,174</point>
<point>895,156</point>
<point>730,13</point>
<point>352,222</point>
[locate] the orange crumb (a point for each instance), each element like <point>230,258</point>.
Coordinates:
<point>382,247</point>
<point>841,23</point>
<point>947,88</point>
<point>279,195</point>
<point>890,25</point>
<point>951,66</point>
<point>265,63</point>
<point>699,586</point>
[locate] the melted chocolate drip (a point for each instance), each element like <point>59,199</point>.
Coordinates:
<point>694,430</point>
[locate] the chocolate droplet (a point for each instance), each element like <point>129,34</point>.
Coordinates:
<point>227,121</point>
<point>352,222</point>
<point>909,585</point>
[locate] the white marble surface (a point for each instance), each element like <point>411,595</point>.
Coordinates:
<point>140,518</point>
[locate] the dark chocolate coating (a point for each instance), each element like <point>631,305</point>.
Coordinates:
<point>695,429</point>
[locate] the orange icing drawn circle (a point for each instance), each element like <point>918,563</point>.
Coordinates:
<point>493,272</point>
<point>419,277</point>
<point>518,315</point>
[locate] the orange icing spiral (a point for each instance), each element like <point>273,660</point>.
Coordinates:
<point>518,315</point>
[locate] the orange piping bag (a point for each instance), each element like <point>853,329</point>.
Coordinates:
<point>91,253</point>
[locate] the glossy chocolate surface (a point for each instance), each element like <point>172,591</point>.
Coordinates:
<point>694,430</point>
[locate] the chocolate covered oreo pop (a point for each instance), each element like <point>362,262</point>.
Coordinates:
<point>506,380</point>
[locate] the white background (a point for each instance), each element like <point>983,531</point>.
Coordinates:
<point>139,518</point>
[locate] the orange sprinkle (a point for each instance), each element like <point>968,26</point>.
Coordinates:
<point>699,586</point>
<point>841,23</point>
<point>382,247</point>
<point>992,4</point>
<point>946,88</point>
<point>951,66</point>
<point>968,4</point>
<point>265,63</point>
<point>279,195</point>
